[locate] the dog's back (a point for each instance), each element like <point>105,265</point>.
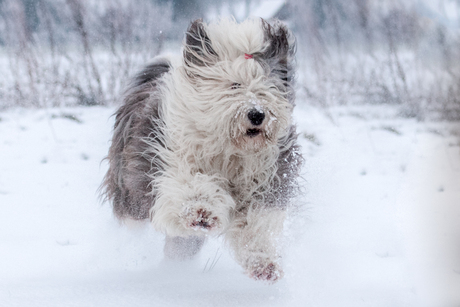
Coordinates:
<point>126,183</point>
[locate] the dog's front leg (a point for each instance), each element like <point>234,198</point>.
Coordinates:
<point>191,204</point>
<point>254,238</point>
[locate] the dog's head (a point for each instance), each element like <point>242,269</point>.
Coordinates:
<point>242,78</point>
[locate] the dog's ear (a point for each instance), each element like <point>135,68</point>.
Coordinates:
<point>280,50</point>
<point>198,49</point>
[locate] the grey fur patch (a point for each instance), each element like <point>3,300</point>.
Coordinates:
<point>284,185</point>
<point>151,73</point>
<point>280,56</point>
<point>198,50</point>
<point>127,182</point>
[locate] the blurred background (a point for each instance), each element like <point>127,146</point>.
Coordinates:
<point>378,117</point>
<point>81,52</point>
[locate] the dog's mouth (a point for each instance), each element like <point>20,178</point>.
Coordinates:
<point>253,132</point>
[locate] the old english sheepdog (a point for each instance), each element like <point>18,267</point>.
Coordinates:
<point>206,146</point>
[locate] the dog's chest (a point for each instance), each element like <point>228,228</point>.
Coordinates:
<point>244,175</point>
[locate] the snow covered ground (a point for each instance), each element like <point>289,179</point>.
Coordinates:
<point>380,225</point>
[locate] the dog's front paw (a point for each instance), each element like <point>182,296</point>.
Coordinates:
<point>198,217</point>
<point>270,272</point>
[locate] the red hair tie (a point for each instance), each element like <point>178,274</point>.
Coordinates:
<point>247,56</point>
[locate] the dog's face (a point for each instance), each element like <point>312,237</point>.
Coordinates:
<point>241,75</point>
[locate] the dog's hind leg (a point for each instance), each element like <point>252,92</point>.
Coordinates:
<point>182,248</point>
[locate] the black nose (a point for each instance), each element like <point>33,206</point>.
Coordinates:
<point>256,117</point>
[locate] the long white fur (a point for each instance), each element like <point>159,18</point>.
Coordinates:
<point>200,121</point>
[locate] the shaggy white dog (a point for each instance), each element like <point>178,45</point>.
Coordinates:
<point>207,147</point>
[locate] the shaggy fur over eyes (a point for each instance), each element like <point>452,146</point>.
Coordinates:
<point>208,147</point>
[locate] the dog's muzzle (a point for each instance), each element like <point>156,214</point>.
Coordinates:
<point>256,118</point>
